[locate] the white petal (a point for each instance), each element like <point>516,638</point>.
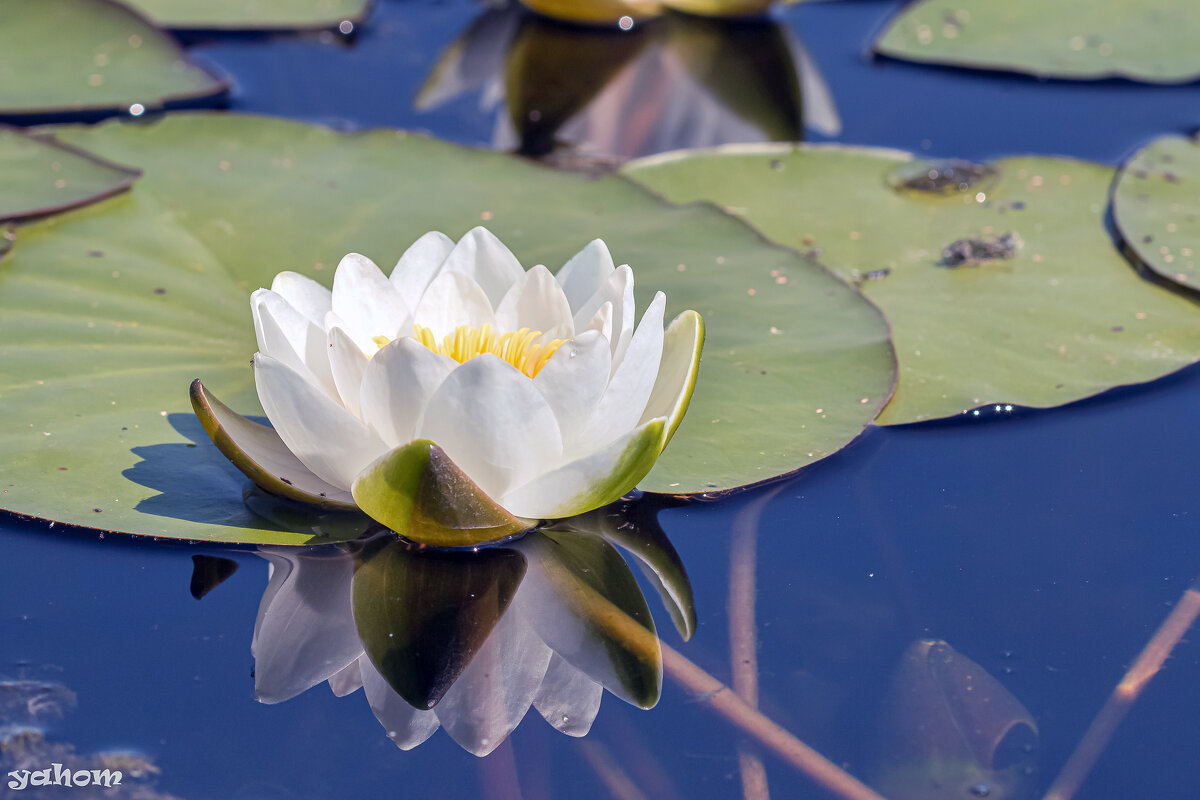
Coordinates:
<point>367,302</point>
<point>493,424</point>
<point>483,257</point>
<point>568,699</point>
<point>585,273</point>
<point>602,321</point>
<point>419,264</point>
<point>347,681</point>
<point>286,334</point>
<point>617,289</point>
<point>632,381</point>
<point>304,294</point>
<point>452,299</point>
<point>491,696</point>
<point>591,481</point>
<point>326,438</point>
<point>305,632</point>
<point>405,726</point>
<point>573,381</point>
<point>536,302</point>
<point>347,363</point>
<point>397,386</point>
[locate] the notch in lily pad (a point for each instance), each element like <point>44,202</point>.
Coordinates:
<point>419,492</point>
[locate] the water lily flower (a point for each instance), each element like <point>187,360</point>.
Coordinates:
<point>460,398</point>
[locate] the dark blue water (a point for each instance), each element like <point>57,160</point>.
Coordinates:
<point>1045,546</point>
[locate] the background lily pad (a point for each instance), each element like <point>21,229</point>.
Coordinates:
<point>90,55</point>
<point>108,313</point>
<point>1156,205</point>
<point>252,14</point>
<point>1148,40</point>
<point>41,177</point>
<point>1064,317</point>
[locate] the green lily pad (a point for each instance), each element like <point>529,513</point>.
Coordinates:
<point>43,177</point>
<point>1146,40</point>
<point>91,55</point>
<point>1157,207</point>
<point>1054,314</point>
<point>108,313</point>
<point>252,14</point>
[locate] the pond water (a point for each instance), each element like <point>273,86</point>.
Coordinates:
<point>1046,546</point>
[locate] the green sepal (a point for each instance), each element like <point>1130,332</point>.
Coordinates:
<point>417,491</point>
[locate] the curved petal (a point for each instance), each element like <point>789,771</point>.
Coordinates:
<point>585,273</point>
<point>592,481</point>
<point>347,363</point>
<point>618,290</point>
<point>536,302</point>
<point>304,294</point>
<point>366,301</point>
<point>286,334</point>
<point>573,381</point>
<point>327,438</point>
<point>632,381</point>
<point>305,632</point>
<point>396,387</point>
<point>602,321</point>
<point>419,264</point>
<point>490,698</point>
<point>452,299</point>
<point>347,681</point>
<point>677,373</point>
<point>484,258</point>
<point>493,423</point>
<point>406,726</point>
<point>568,699</point>
<point>261,455</point>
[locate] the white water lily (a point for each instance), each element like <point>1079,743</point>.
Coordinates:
<point>539,388</point>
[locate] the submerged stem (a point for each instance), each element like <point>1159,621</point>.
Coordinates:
<point>1148,662</point>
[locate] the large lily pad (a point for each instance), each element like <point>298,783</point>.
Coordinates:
<point>90,55</point>
<point>1055,315</point>
<point>1147,40</point>
<point>1156,205</point>
<point>252,14</point>
<point>42,177</point>
<point>109,312</point>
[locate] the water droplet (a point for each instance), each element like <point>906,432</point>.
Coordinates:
<point>625,23</point>
<point>136,110</point>
<point>980,790</point>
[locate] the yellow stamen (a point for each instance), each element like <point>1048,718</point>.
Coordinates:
<point>380,341</point>
<point>518,348</point>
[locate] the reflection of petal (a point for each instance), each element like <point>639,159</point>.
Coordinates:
<point>305,629</point>
<point>820,110</point>
<point>473,61</point>
<point>490,698</point>
<point>405,726</point>
<point>568,699</point>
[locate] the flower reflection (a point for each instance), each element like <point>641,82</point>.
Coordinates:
<point>671,83</point>
<point>468,640</point>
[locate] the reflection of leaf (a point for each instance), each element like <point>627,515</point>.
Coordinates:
<point>42,176</point>
<point>1064,317</point>
<point>1156,206</point>
<point>634,527</point>
<point>554,70</point>
<point>748,67</point>
<point>1150,40</point>
<point>259,15</point>
<point>108,313</point>
<point>581,580</point>
<point>209,572</point>
<point>423,614</point>
<point>86,55</point>
<point>949,730</point>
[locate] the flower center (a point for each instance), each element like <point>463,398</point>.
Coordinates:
<point>518,348</point>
